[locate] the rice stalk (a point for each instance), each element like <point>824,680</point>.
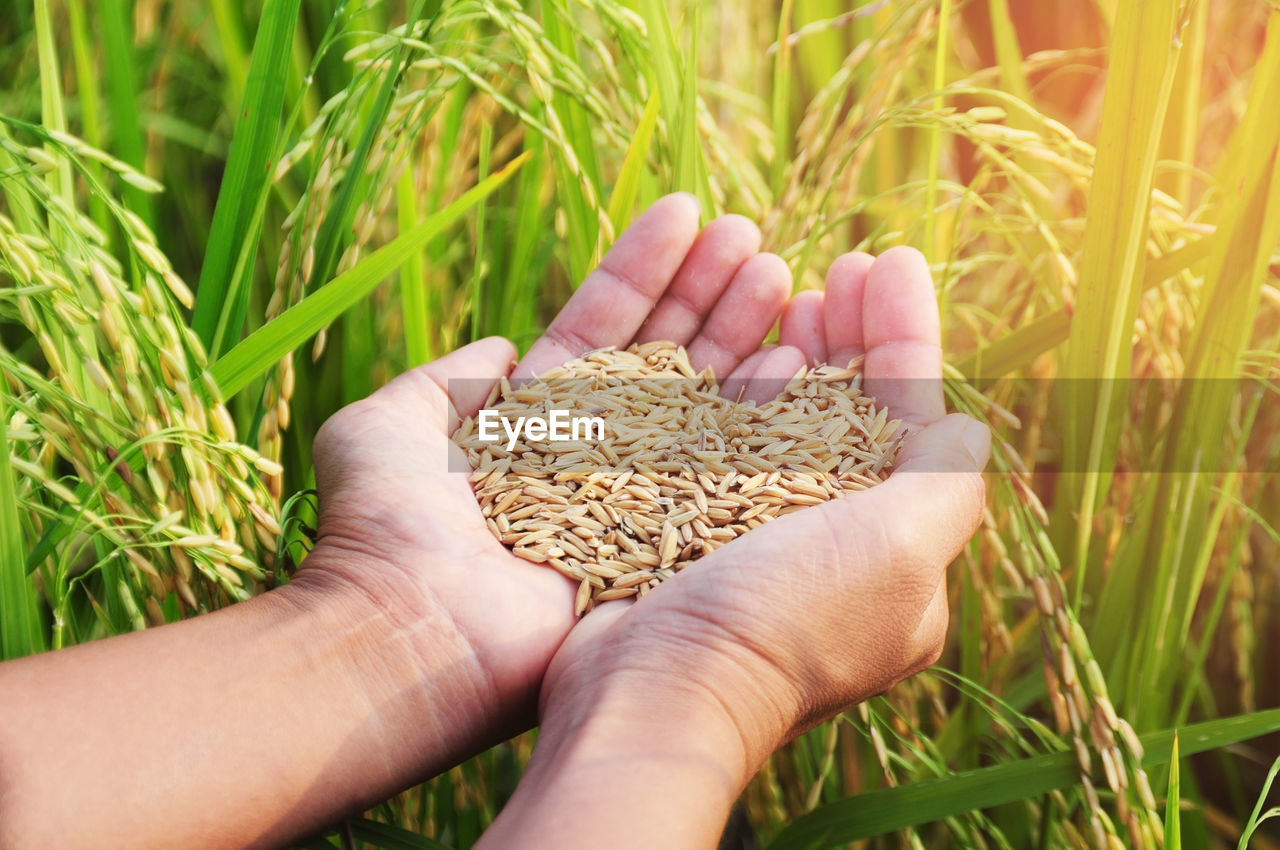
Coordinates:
<point>126,379</point>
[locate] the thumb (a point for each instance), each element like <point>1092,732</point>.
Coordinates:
<point>933,502</point>
<point>955,443</point>
<point>454,386</point>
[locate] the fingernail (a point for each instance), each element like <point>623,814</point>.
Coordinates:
<point>977,439</point>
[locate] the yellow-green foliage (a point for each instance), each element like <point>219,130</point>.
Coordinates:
<point>1096,185</point>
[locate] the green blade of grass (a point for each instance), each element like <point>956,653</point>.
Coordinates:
<point>781,106</point>
<point>675,77</point>
<point>1008,51</point>
<point>663,71</point>
<point>52,111</point>
<point>623,199</point>
<point>1258,815</point>
<point>222,296</point>
<point>691,164</point>
<point>583,231</point>
<point>935,133</point>
<point>87,90</point>
<point>231,42</point>
<point>824,48</point>
<point>122,99</point>
<point>885,810</point>
<point>1017,349</point>
<point>530,252</point>
<point>1182,127</point>
<point>336,225</point>
<point>1248,229</point>
<point>1143,55</point>
<point>1146,566</point>
<point>1172,819</point>
<point>265,346</point>
<point>481,324</point>
<point>413,298</point>
<point>20,632</point>
<point>387,837</point>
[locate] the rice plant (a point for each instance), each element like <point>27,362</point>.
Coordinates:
<point>221,221</point>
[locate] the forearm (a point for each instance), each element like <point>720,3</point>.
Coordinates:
<point>628,769</point>
<point>246,726</point>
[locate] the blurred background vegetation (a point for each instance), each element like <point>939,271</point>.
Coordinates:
<point>220,221</point>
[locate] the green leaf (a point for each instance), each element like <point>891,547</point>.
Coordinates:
<point>1143,57</point>
<point>20,632</point>
<point>122,98</point>
<point>1017,349</point>
<point>265,346</point>
<point>223,294</point>
<point>935,133</point>
<point>691,163</point>
<point>1172,818</point>
<point>413,297</point>
<point>1008,52</point>
<point>623,199</point>
<point>674,76</point>
<point>583,224</point>
<point>781,106</point>
<point>389,837</point>
<point>481,325</point>
<point>889,809</point>
<point>663,70</point>
<point>342,208</point>
<point>52,109</point>
<point>1258,816</point>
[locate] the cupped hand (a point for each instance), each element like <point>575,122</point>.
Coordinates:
<point>401,530</point>
<point>824,607</point>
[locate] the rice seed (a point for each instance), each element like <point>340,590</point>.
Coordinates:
<point>680,471</point>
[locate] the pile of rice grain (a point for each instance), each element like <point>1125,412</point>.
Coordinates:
<point>681,470</point>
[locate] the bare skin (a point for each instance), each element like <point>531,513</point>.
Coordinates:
<point>412,639</point>
<point>691,689</point>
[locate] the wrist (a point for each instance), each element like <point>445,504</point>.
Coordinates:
<point>615,746</point>
<point>428,695</point>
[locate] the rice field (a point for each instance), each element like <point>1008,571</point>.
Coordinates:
<point>221,221</point>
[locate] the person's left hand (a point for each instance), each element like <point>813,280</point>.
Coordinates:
<point>408,536</point>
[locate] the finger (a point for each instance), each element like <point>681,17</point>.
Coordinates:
<point>743,316</point>
<point>616,298</point>
<point>735,386</point>
<point>717,254</point>
<point>903,337</point>
<point>803,326</point>
<point>846,283</point>
<point>771,376</point>
<point>454,386</point>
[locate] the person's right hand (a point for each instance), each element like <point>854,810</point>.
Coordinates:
<point>788,624</point>
<point>406,534</point>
